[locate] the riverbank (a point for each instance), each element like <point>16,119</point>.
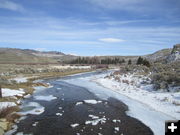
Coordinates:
<point>66,109</point>
<point>20,87</point>
<point>138,87</point>
<point>136,109</point>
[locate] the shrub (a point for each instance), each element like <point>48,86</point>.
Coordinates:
<point>7,112</point>
<point>163,80</point>
<point>3,80</point>
<point>144,62</point>
<point>139,61</point>
<point>129,62</point>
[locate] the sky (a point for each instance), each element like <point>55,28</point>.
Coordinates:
<point>90,27</point>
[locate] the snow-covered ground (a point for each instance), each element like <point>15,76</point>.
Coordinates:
<point>20,93</point>
<point>70,67</point>
<point>20,79</point>
<point>144,104</point>
<point>6,104</point>
<point>130,86</point>
<point>107,88</point>
<point>10,92</point>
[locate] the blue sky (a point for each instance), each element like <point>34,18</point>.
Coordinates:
<point>90,27</point>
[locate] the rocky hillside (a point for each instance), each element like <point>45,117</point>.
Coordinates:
<point>175,54</point>
<point>159,56</point>
<point>162,56</point>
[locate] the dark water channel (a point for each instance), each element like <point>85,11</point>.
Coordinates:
<point>62,112</point>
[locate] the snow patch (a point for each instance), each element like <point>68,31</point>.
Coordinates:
<point>79,103</point>
<point>116,129</point>
<point>92,101</point>
<point>6,104</point>
<point>74,125</point>
<point>20,79</point>
<point>10,92</point>
<point>59,114</point>
<point>95,120</point>
<point>35,124</point>
<point>45,98</point>
<point>115,121</point>
<point>93,116</point>
<point>27,96</point>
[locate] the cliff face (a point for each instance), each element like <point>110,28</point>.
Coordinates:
<point>175,54</point>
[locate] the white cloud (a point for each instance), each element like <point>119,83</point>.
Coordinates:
<point>116,4</point>
<point>33,31</point>
<point>112,22</point>
<point>111,40</point>
<point>145,7</point>
<point>6,4</point>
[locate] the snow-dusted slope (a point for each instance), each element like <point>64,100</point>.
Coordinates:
<point>137,109</point>
<point>130,86</point>
<point>175,54</point>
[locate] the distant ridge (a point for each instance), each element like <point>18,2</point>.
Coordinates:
<point>13,56</point>
<point>30,56</point>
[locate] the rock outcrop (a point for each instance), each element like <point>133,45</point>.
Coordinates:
<point>175,54</point>
<point>159,56</point>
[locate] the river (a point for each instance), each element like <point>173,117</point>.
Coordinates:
<point>67,108</point>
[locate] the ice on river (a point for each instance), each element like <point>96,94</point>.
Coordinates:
<point>32,108</point>
<point>92,101</point>
<point>45,98</point>
<point>138,110</point>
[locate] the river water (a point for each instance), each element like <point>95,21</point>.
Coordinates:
<point>70,109</point>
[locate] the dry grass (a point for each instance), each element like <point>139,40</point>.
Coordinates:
<point>125,81</point>
<point>7,99</point>
<point>176,103</point>
<point>28,86</point>
<point>58,74</point>
<point>12,117</point>
<point>9,114</point>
